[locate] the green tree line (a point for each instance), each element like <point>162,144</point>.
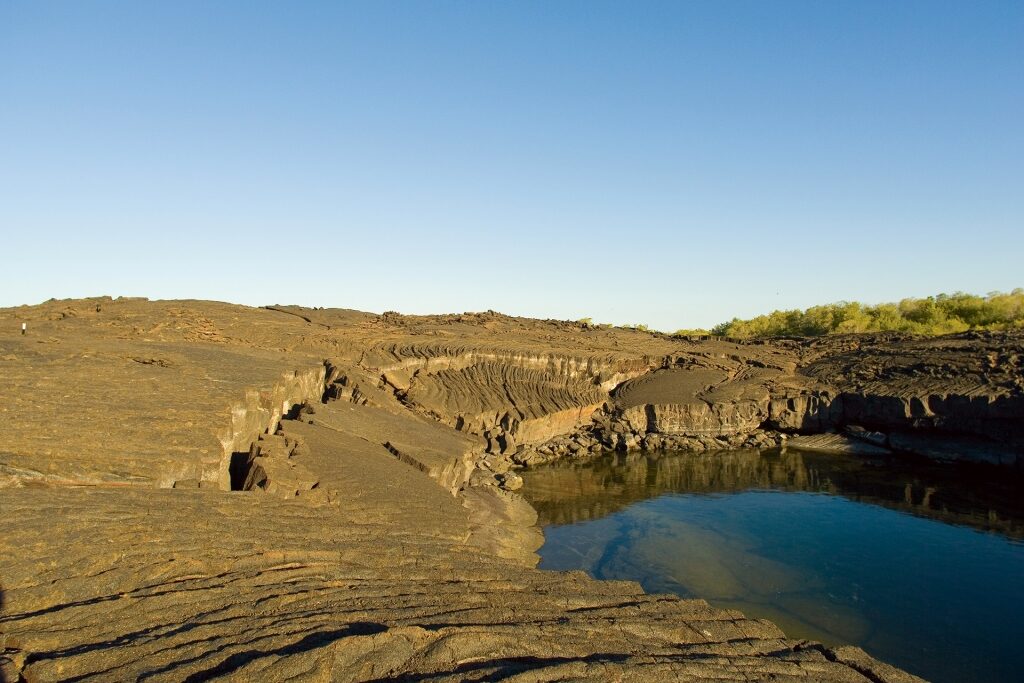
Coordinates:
<point>942,314</point>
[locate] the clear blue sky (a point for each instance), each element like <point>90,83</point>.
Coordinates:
<point>673,164</point>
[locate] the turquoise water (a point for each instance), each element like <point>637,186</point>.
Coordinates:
<point>920,566</point>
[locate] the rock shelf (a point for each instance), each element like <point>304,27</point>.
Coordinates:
<point>377,536</point>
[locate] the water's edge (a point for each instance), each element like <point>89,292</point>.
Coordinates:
<point>900,547</point>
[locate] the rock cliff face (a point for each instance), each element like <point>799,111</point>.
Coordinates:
<point>706,395</point>
<point>509,398</point>
<point>957,397</point>
<point>135,393</point>
<point>969,383</point>
<point>260,412</point>
<point>376,534</point>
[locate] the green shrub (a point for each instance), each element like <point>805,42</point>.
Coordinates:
<point>940,314</point>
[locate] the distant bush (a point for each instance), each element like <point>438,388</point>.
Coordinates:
<point>942,314</point>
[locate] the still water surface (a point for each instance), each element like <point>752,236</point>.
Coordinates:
<point>922,565</point>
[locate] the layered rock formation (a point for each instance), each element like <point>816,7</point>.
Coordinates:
<point>952,398</point>
<point>267,589</point>
<point>966,385</point>
<point>376,536</point>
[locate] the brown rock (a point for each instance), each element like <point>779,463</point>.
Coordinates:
<point>375,560</point>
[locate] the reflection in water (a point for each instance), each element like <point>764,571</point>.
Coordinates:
<point>752,531</point>
<point>977,496</point>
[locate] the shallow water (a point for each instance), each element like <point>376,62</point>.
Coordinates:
<point>922,565</point>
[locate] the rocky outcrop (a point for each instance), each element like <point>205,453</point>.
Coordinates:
<point>505,402</point>
<point>837,443</point>
<point>275,466</point>
<point>445,455</point>
<point>699,397</point>
<point>510,398</point>
<point>347,592</point>
<point>85,406</point>
<point>261,411</point>
<point>806,412</point>
<point>702,400</point>
<point>967,384</point>
<point>696,418</point>
<point>378,537</point>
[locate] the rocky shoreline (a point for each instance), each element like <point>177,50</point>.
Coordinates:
<point>194,490</point>
<point>712,408</point>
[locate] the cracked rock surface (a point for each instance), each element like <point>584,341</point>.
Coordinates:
<point>378,536</point>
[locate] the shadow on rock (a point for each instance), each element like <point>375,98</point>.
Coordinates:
<point>312,641</point>
<point>506,667</point>
<point>4,660</point>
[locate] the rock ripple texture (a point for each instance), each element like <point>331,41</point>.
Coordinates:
<point>376,538</point>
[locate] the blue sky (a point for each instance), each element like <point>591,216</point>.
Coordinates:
<point>673,164</point>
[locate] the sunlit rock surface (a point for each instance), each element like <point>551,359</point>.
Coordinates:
<point>377,535</point>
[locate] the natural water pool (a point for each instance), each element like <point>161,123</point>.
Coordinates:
<point>920,564</point>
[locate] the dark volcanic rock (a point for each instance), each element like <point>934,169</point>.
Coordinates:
<point>361,549</point>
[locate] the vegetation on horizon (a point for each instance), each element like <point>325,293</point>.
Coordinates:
<point>942,314</point>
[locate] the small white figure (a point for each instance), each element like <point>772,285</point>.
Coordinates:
<point>24,326</point>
